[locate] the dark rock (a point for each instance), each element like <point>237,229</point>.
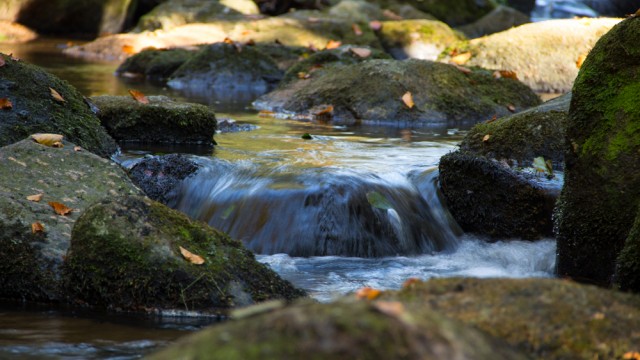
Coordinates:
<point>30,262</point>
<point>34,110</point>
<point>524,6</point>
<point>161,121</point>
<point>599,202</point>
<point>499,19</point>
<point>613,8</point>
<point>126,254</point>
<point>154,63</point>
<point>158,176</point>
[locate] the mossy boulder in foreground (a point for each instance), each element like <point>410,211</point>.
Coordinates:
<point>599,201</point>
<point>30,260</point>
<point>372,92</point>
<point>126,254</point>
<point>34,109</point>
<point>162,120</point>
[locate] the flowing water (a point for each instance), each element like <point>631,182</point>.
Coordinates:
<point>353,207</point>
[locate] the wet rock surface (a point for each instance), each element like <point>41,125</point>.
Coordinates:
<point>158,176</point>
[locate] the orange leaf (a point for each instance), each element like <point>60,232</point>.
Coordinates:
<point>60,209</point>
<point>56,95</point>
<point>356,29</point>
<point>266,113</point>
<point>407,98</point>
<point>138,96</point>
<point>391,308</point>
<point>128,49</point>
<point>505,74</point>
<point>580,60</point>
<point>410,282</point>
<point>5,103</point>
<point>367,293</point>
<point>461,59</point>
<point>47,139</point>
<point>37,227</point>
<point>193,258</point>
<point>332,44</point>
<point>375,25</point>
<point>323,110</point>
<point>36,197</point>
<point>361,52</point>
<point>631,355</point>
<point>57,144</point>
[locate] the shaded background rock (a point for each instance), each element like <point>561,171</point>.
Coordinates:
<point>30,262</point>
<point>34,109</point>
<point>420,39</point>
<point>499,19</point>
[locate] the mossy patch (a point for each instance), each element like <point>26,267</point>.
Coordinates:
<point>155,63</point>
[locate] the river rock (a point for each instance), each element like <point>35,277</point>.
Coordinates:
<point>158,176</point>
<point>11,32</point>
<point>544,55</point>
<point>372,91</point>
<point>344,329</point>
<point>30,260</point>
<point>421,39</point>
<point>134,254</point>
<point>600,198</point>
<point>499,19</point>
<point>155,64</point>
<point>162,120</point>
<point>545,318</point>
<point>455,12</point>
<point>33,107</point>
<point>227,67</point>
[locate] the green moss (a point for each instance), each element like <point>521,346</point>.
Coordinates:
<point>402,33</point>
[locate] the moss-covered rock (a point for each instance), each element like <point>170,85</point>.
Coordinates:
<point>227,66</point>
<point>599,201</point>
<point>543,54</point>
<point>30,261</point>
<point>421,39</point>
<point>35,110</point>
<point>127,254</point>
<point>157,64</point>
<point>159,176</point>
<point>162,120</point>
<point>499,19</point>
<point>372,92</point>
<point>341,330</point>
<point>546,318</point>
<point>455,12</point>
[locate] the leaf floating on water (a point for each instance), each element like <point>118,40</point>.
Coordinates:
<point>323,110</point>
<point>56,95</point>
<point>461,59</point>
<point>47,139</point>
<point>36,197</point>
<point>303,75</point>
<point>5,103</point>
<point>60,209</point>
<point>367,293</point>
<point>77,148</point>
<point>407,98</point>
<point>193,258</point>
<point>37,227</point>
<point>377,200</point>
<point>332,44</point>
<point>361,52</point>
<point>138,96</point>
<point>356,29</point>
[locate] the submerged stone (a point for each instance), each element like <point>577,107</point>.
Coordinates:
<point>134,254</point>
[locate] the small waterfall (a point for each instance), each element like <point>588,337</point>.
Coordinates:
<point>319,211</point>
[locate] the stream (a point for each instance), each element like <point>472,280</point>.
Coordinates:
<point>353,207</point>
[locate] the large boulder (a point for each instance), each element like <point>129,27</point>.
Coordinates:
<point>420,39</point>
<point>544,55</point>
<point>161,120</point>
<point>34,107</point>
<point>134,254</point>
<point>600,198</point>
<point>372,92</point>
<point>30,260</point>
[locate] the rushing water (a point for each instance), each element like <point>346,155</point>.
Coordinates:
<point>353,207</point>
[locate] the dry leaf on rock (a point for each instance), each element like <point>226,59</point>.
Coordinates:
<point>47,139</point>
<point>332,44</point>
<point>128,49</point>
<point>361,52</point>
<point>356,29</point>
<point>77,148</point>
<point>56,95</point>
<point>580,60</point>
<point>138,96</point>
<point>367,293</point>
<point>36,197</point>
<point>407,98</point>
<point>37,227</point>
<point>461,59</point>
<point>5,103</point>
<point>511,108</point>
<point>60,209</point>
<point>486,138</point>
<point>505,74</point>
<point>193,258</point>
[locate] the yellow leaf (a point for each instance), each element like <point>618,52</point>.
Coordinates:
<point>56,95</point>
<point>461,59</point>
<point>37,227</point>
<point>361,52</point>
<point>47,139</point>
<point>303,75</point>
<point>356,29</point>
<point>193,258</point>
<point>631,355</point>
<point>391,308</point>
<point>486,138</point>
<point>36,197</point>
<point>407,98</point>
<point>60,209</point>
<point>138,96</point>
<point>580,60</point>
<point>5,103</point>
<point>367,293</point>
<point>332,44</point>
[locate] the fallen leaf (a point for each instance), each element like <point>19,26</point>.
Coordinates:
<point>323,110</point>
<point>60,209</point>
<point>361,52</point>
<point>47,139</point>
<point>356,29</point>
<point>461,59</point>
<point>375,25</point>
<point>631,355</point>
<point>193,258</point>
<point>367,293</point>
<point>312,48</point>
<point>250,42</point>
<point>57,144</point>
<point>56,95</point>
<point>128,49</point>
<point>410,282</point>
<point>36,197</point>
<point>508,74</point>
<point>5,103</point>
<point>332,44</point>
<point>598,316</point>
<point>378,200</point>
<point>407,98</point>
<point>494,118</point>
<point>486,138</point>
<point>511,108</point>
<point>391,308</point>
<point>37,227</point>
<point>303,75</point>
<point>266,113</point>
<point>227,41</point>
<point>580,60</point>
<point>463,69</point>
<point>138,96</point>
<point>77,148</point>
